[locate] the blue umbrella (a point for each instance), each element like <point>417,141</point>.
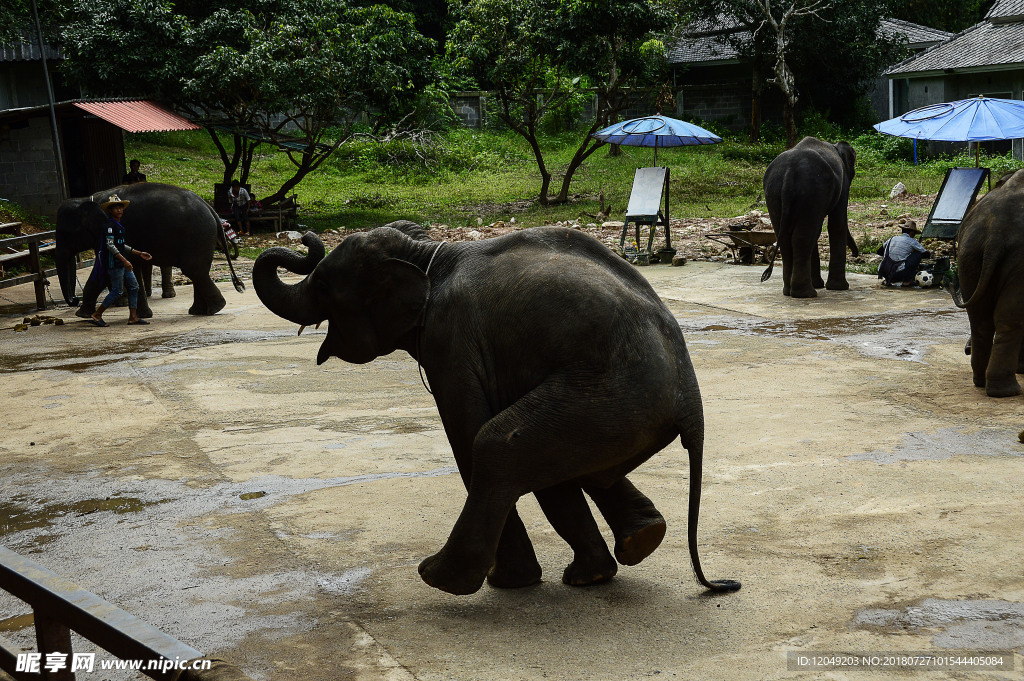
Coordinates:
<point>656,131</point>
<point>979,119</point>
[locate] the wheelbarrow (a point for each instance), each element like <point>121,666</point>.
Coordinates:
<point>745,245</point>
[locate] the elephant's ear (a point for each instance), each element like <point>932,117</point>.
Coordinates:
<point>400,295</point>
<point>849,156</point>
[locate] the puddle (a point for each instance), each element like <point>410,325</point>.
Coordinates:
<point>891,336</point>
<point>945,443</point>
<point>31,515</point>
<point>17,623</point>
<point>137,349</point>
<point>967,625</point>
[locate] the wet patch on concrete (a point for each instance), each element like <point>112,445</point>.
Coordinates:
<point>965,625</point>
<point>80,359</point>
<point>899,335</point>
<point>946,443</point>
<point>26,514</point>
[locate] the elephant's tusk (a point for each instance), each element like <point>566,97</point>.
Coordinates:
<point>301,329</point>
<point>317,327</point>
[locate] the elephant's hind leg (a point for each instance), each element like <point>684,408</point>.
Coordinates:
<point>568,512</point>
<point>167,282</point>
<point>1004,361</point>
<point>208,299</point>
<point>637,525</point>
<point>515,563</point>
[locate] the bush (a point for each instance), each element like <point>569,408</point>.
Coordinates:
<point>761,153</point>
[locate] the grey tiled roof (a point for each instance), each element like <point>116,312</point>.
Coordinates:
<point>984,44</point>
<point>1005,9</point>
<point>708,43</point>
<point>917,35</point>
<point>705,42</point>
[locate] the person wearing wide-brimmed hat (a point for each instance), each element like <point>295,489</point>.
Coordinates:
<point>114,254</point>
<point>900,257</point>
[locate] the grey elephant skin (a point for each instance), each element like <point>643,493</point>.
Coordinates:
<point>173,224</point>
<point>803,186</point>
<point>556,371</point>
<point>990,266</point>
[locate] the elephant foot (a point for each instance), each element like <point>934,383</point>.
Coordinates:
<point>819,283</point>
<point>85,312</point>
<point>583,572</point>
<point>979,380</point>
<point>200,309</point>
<point>168,293</point>
<point>837,285</point>
<point>632,548</point>
<point>803,292</point>
<point>453,576</point>
<point>146,314</point>
<point>1005,387</point>
<point>514,575</point>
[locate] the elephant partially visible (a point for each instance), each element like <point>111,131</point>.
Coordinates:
<point>173,224</point>
<point>556,370</point>
<point>803,186</point>
<point>990,267</point>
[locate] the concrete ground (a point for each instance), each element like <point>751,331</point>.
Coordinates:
<point>205,475</point>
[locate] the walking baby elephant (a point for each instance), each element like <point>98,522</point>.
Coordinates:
<point>555,368</point>
<point>990,265</point>
<point>802,187</point>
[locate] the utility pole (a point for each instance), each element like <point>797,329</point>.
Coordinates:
<point>62,185</point>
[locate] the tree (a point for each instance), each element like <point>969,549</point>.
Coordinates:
<point>829,49</point>
<point>282,71</point>
<point>538,56</point>
<point>948,15</point>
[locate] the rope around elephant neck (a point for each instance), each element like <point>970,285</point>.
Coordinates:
<point>423,318</point>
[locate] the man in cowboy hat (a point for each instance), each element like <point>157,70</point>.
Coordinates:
<point>113,254</point>
<point>900,257</point>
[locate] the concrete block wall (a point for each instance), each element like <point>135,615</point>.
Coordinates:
<point>28,174</point>
<point>727,104</point>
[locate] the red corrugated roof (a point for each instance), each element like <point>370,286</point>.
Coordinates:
<point>138,116</point>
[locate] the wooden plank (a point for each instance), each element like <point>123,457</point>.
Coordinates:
<point>17,241</point>
<point>29,278</point>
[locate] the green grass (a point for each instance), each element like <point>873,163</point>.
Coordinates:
<point>464,175</point>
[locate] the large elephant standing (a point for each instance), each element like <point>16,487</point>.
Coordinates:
<point>990,266</point>
<point>555,368</point>
<point>173,224</point>
<point>802,187</point>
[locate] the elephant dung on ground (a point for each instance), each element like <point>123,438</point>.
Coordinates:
<point>173,224</point>
<point>556,370</point>
<point>990,266</point>
<point>802,187</point>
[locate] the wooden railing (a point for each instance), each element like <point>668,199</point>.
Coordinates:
<point>60,606</point>
<point>13,251</point>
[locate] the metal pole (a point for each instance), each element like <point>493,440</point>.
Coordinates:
<point>62,186</point>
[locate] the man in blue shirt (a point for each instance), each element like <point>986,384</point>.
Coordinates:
<point>900,258</point>
<point>114,251</point>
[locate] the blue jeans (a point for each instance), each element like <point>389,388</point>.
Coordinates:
<point>119,276</point>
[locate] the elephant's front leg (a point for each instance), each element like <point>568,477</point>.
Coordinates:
<point>144,274</point>
<point>837,239</point>
<point>515,562</point>
<point>167,281</point>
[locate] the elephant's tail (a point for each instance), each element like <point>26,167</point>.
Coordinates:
<point>235,279</point>
<point>988,272</point>
<point>692,437</point>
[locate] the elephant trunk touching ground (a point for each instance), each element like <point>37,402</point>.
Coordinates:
<point>293,302</point>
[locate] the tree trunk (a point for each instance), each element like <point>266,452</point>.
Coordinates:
<point>587,147</point>
<point>757,90</point>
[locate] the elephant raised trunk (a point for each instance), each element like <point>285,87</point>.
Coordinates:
<point>291,302</point>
